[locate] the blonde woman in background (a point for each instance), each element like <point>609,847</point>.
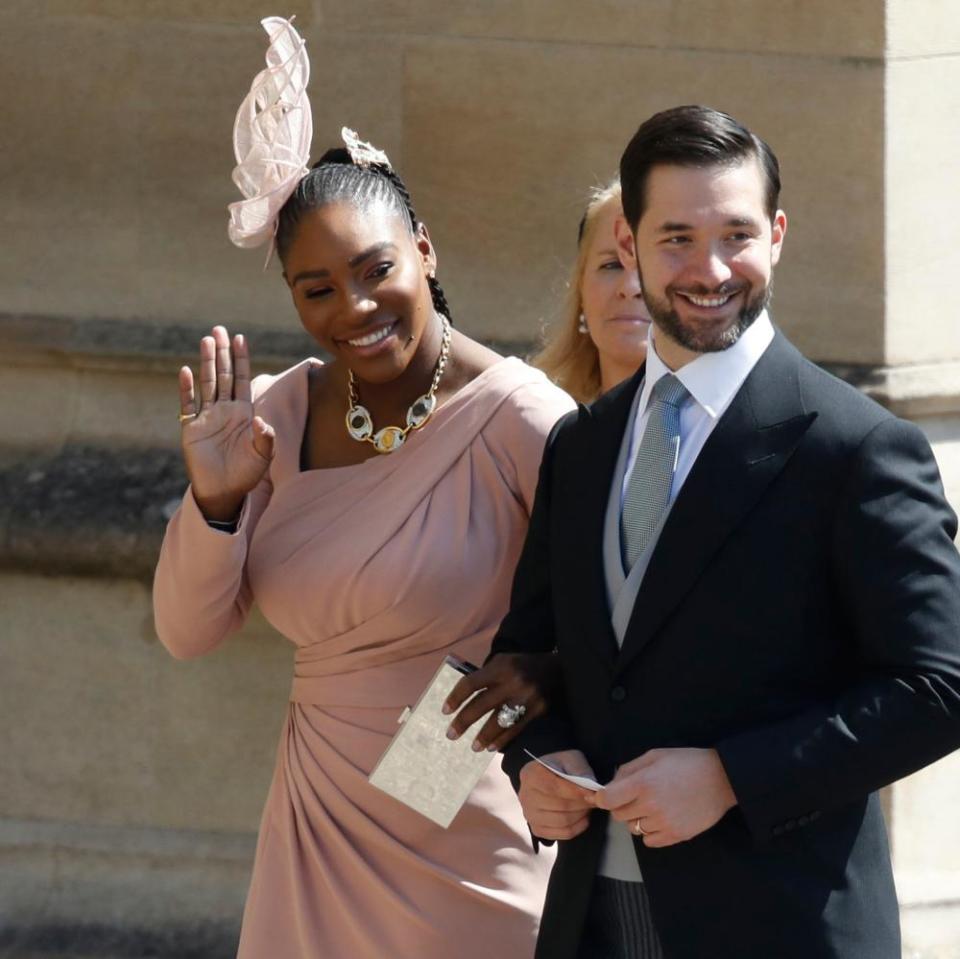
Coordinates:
<point>601,336</point>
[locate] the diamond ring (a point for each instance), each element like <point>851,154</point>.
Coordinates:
<point>507,716</point>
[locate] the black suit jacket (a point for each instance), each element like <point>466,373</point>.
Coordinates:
<point>800,614</point>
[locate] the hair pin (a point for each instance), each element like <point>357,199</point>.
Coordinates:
<point>361,153</point>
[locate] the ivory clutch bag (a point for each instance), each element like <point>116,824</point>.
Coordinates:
<point>421,767</point>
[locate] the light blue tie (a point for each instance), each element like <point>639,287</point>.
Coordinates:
<point>648,489</point>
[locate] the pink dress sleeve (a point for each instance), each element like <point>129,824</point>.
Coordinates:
<point>200,588</point>
<point>519,431</point>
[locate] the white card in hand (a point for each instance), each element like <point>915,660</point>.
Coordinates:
<point>585,781</point>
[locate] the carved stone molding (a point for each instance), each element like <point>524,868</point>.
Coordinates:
<point>87,511</point>
<point>141,345</point>
<point>911,391</point>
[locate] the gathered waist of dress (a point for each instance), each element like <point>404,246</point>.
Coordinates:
<point>378,678</point>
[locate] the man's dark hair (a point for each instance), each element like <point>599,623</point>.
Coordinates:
<point>335,178</point>
<point>692,136</point>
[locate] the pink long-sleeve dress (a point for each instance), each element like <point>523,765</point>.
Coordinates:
<point>375,572</point>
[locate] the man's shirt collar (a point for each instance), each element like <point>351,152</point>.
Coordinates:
<point>712,378</point>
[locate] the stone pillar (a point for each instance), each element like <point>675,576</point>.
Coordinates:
<point>920,379</point>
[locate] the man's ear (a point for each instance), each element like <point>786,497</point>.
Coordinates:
<point>626,246</point>
<point>777,233</point>
<point>428,255</point>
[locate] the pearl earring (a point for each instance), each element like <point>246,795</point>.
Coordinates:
<point>582,325</point>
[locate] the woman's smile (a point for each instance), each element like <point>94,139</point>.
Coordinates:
<point>374,341</point>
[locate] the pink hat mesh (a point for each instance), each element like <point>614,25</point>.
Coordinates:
<point>271,136</point>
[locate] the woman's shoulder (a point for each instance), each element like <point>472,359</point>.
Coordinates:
<point>283,387</point>
<point>530,404</point>
<point>531,391</point>
<point>510,388</point>
<point>529,407</point>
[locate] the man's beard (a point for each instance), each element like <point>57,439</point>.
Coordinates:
<point>705,340</point>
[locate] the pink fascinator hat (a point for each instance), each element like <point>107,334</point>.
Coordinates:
<point>271,136</point>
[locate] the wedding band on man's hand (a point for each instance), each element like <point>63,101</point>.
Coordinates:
<point>507,716</point>
<point>637,829</point>
<point>183,417</point>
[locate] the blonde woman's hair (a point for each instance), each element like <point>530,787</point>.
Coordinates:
<point>568,356</point>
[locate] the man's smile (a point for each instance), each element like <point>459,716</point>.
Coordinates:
<point>712,301</point>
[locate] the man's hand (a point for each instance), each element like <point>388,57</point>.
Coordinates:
<point>669,795</point>
<point>555,808</point>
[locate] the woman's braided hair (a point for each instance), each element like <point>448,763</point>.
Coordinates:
<point>335,178</point>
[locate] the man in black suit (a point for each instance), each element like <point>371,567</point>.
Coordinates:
<point>749,576</point>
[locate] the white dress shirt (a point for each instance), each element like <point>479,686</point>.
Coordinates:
<point>713,380</point>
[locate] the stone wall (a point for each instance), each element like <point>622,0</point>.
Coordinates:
<point>132,784</point>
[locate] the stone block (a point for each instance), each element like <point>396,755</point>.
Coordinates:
<point>191,11</point>
<point>43,403</point>
<point>923,824</point>
<point>67,191</point>
<point>117,192</point>
<point>115,408</point>
<point>922,28</point>
<point>357,81</point>
<point>930,932</point>
<point>90,407</point>
<point>110,383</point>
<point>99,725</point>
<point>817,27</point>
<point>157,161</point>
<point>923,210</point>
<point>526,130</point>
<point>107,519</point>
<point>191,84</point>
<point>110,891</point>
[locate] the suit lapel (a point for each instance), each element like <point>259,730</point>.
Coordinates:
<point>608,419</point>
<point>748,448</point>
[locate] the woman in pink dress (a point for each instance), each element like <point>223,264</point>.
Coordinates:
<point>376,544</point>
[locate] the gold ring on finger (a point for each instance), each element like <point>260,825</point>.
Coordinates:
<point>638,830</point>
<point>183,417</point>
